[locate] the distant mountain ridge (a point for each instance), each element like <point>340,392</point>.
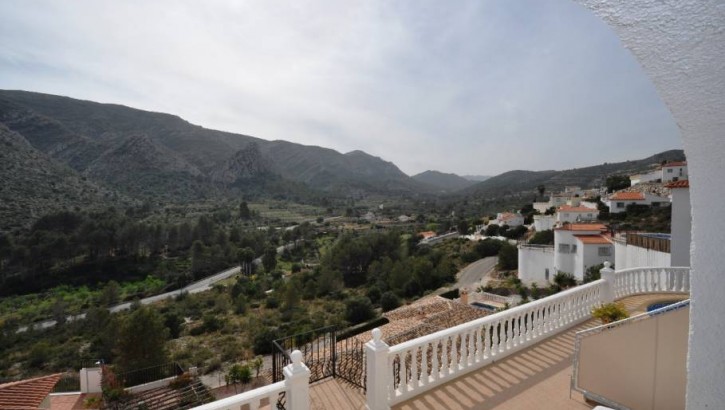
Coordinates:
<point>513,183</point>
<point>476,178</point>
<point>443,181</point>
<point>143,153</point>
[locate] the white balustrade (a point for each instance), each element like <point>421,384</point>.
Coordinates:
<point>634,281</point>
<point>295,388</point>
<point>469,346</point>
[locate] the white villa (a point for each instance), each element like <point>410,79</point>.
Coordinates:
<point>618,201</point>
<point>669,172</point>
<point>581,213</point>
<point>508,218</point>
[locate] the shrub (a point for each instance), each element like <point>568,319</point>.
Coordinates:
<point>359,309</point>
<point>389,301</point>
<point>564,280</point>
<point>610,312</point>
<point>508,257</point>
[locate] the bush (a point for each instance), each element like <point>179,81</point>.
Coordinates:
<point>610,312</point>
<point>359,309</point>
<point>593,273</point>
<point>240,374</point>
<point>542,238</point>
<point>389,301</point>
<point>262,342</point>
<point>564,280</point>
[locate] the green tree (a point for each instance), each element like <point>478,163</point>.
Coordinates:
<point>244,212</point>
<point>492,230</point>
<point>269,259</point>
<point>542,238</point>
<point>508,257</point>
<point>142,340</point>
<point>110,294</point>
<point>617,182</point>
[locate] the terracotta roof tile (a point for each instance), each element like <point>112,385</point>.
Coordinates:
<point>675,164</point>
<point>27,394</point>
<point>683,183</point>
<point>594,239</point>
<point>583,227</point>
<point>568,208</point>
<point>627,196</point>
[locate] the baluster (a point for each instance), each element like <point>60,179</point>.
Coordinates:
<point>445,363</point>
<point>486,341</point>
<point>414,368</point>
<point>454,354</point>
<point>545,317</point>
<point>478,348</point>
<point>391,386</point>
<point>494,346</point>
<point>254,404</point>
<point>424,376</point>
<point>434,371</point>
<point>515,331</point>
<point>471,347</point>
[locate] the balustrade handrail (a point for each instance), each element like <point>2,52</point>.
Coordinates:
<point>515,311</point>
<point>239,400</point>
<point>619,272</point>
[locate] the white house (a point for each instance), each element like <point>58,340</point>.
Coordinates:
<point>674,171</point>
<point>671,171</point>
<point>681,223</point>
<point>569,214</point>
<point>580,246</point>
<point>577,247</point>
<point>544,222</point>
<point>508,218</point>
<point>619,201</point>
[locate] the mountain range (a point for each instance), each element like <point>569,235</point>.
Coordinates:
<point>60,152</point>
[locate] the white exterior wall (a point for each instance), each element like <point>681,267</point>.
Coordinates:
<point>564,261</point>
<point>649,177</point>
<point>568,216</point>
<point>589,204</point>
<point>670,174</point>
<point>541,206</point>
<point>544,222</point>
<point>620,254</point>
<point>533,263</point>
<point>648,200</point>
<point>588,255</point>
<point>681,227</point>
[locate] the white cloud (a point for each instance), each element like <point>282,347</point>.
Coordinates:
<point>475,87</point>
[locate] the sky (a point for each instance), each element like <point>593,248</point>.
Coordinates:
<point>471,87</point>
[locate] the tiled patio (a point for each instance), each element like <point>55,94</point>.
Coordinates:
<point>537,377</point>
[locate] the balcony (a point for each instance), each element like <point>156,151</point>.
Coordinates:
<point>518,358</point>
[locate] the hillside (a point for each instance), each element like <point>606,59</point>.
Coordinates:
<point>33,184</point>
<point>154,155</point>
<point>443,181</point>
<point>476,178</point>
<point>515,183</point>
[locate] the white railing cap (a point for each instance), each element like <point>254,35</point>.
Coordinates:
<point>238,400</point>
<point>496,316</point>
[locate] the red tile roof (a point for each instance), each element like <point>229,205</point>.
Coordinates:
<point>427,234</point>
<point>683,183</point>
<point>27,394</point>
<point>627,196</point>
<point>568,208</point>
<point>583,227</point>
<point>675,164</point>
<point>594,239</point>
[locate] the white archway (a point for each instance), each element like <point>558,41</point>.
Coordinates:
<point>681,46</point>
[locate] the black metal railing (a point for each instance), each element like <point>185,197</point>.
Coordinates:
<point>69,382</point>
<point>318,353</point>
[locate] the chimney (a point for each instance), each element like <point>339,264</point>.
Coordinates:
<point>464,295</point>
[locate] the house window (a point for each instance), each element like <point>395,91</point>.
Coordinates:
<point>669,170</point>
<point>605,251</point>
<point>573,249</point>
<point>563,248</point>
<point>620,204</point>
<point>546,274</point>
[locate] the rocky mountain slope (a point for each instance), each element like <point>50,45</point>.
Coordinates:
<point>147,154</point>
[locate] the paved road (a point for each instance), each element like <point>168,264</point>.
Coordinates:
<point>476,274</point>
<point>196,287</point>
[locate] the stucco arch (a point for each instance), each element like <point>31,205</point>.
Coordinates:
<point>681,46</point>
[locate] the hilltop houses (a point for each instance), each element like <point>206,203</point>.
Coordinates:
<point>508,218</point>
<point>669,172</point>
<point>581,213</point>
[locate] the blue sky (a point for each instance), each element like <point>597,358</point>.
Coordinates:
<point>471,87</point>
